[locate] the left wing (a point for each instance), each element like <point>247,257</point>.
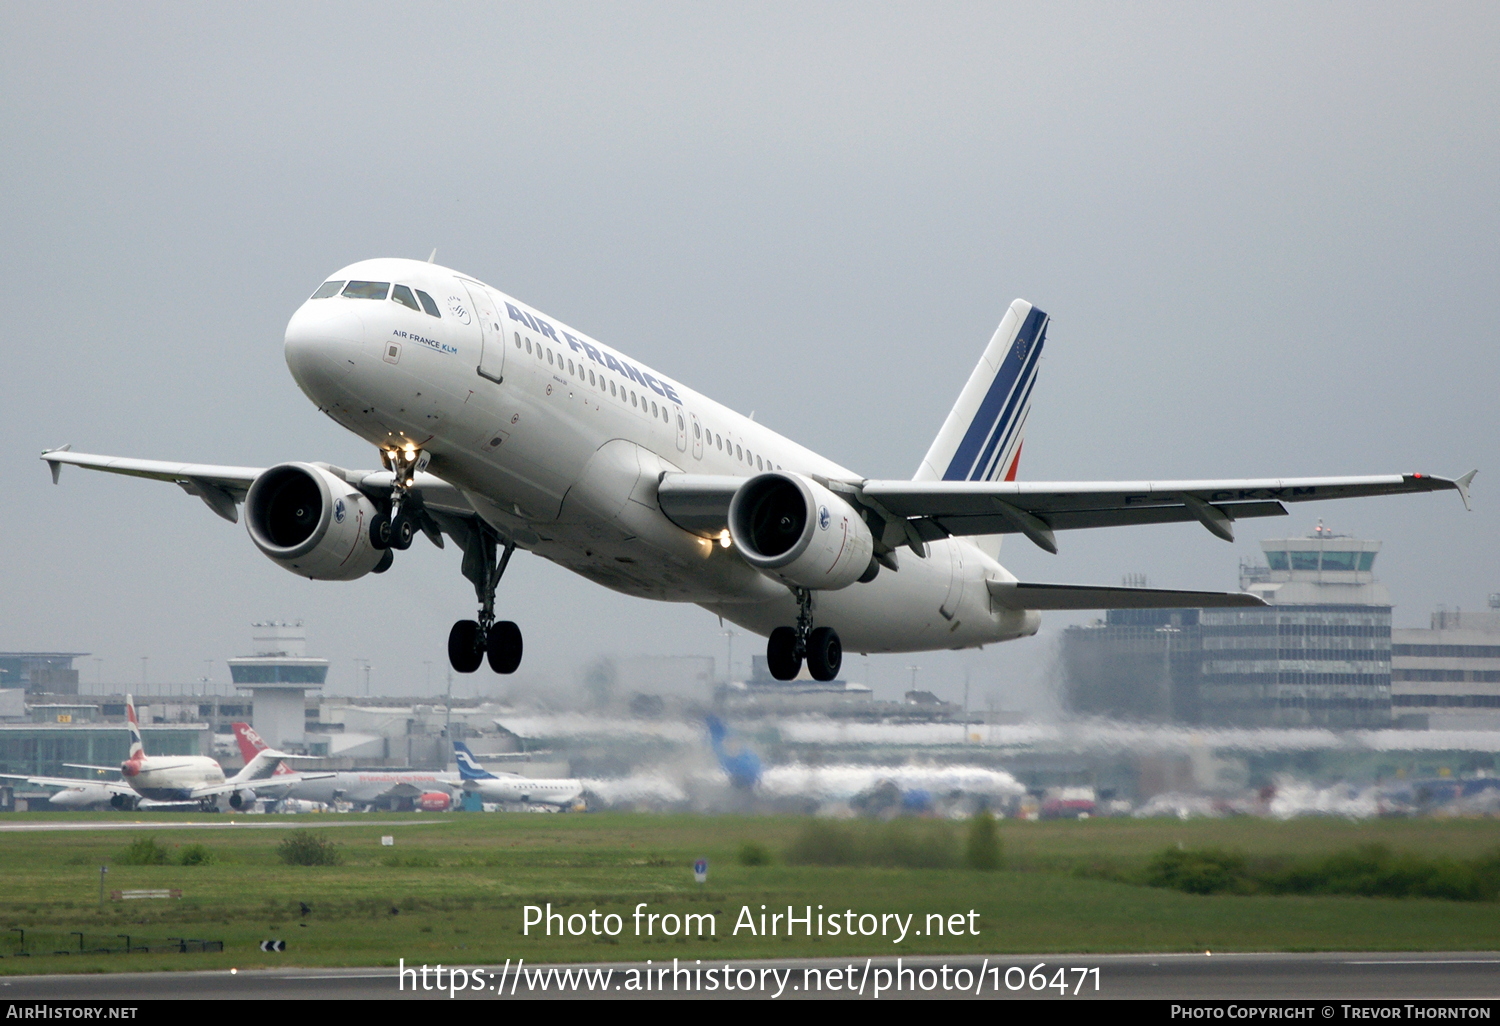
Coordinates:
<point>915,512</point>
<point>939,509</point>
<point>112,786</point>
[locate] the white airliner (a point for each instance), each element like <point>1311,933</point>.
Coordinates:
<point>503,428</point>
<point>512,787</point>
<point>175,781</point>
<point>368,788</point>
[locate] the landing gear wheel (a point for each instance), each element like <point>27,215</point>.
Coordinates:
<point>781,654</point>
<point>380,533</point>
<point>465,646</point>
<point>825,653</point>
<point>504,647</point>
<point>402,532</point>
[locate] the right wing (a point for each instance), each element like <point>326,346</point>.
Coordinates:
<point>223,488</point>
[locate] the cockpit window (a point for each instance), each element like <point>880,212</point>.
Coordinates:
<point>328,288</point>
<point>402,295</point>
<point>428,304</point>
<point>367,289</point>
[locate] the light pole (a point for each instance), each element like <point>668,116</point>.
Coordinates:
<point>728,654</point>
<point>1167,632</point>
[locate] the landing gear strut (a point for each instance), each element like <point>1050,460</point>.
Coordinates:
<point>788,646</point>
<point>471,640</point>
<point>396,530</point>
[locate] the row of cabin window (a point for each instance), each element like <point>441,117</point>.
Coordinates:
<point>600,382</point>
<point>379,290</point>
<point>738,452</point>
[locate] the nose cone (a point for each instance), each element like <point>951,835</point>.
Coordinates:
<point>323,340</point>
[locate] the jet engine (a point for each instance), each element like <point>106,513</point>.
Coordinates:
<point>796,530</point>
<point>435,801</point>
<point>312,522</point>
<point>241,799</point>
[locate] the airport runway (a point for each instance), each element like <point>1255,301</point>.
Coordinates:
<point>258,823</point>
<point>1243,977</point>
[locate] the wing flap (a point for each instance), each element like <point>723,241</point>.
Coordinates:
<point>935,528</point>
<point>1021,595</point>
<point>959,498</point>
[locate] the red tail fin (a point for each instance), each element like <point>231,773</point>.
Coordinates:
<point>249,741</point>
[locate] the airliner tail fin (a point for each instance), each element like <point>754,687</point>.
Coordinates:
<point>981,439</point>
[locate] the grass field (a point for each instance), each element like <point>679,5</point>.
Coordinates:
<point>453,891</point>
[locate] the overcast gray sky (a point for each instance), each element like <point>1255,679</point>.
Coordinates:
<point>1268,236</point>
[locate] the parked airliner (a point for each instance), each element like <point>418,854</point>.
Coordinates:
<point>365,788</point>
<point>172,781</point>
<point>512,787</point>
<point>500,427</point>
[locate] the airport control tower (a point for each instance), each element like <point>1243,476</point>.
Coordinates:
<point>279,675</point>
<point>1320,655</point>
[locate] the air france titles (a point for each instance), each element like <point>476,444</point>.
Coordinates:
<point>593,352</point>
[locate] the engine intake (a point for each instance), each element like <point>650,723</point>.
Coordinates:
<point>312,522</point>
<point>796,530</point>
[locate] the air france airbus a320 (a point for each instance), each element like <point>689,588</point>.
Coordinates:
<point>502,428</point>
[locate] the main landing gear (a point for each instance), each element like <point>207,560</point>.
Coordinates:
<point>820,646</point>
<point>471,641</point>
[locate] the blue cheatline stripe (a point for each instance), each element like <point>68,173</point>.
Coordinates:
<point>1006,425</point>
<point>1005,451</point>
<point>992,409</point>
<point>1015,413</point>
<point>1014,418</point>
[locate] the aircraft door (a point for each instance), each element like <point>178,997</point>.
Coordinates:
<point>681,429</point>
<point>697,437</point>
<point>492,341</point>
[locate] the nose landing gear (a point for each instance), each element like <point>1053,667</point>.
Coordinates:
<point>788,646</point>
<point>470,641</point>
<point>397,530</point>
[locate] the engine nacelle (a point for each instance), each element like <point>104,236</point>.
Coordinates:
<point>241,799</point>
<point>800,532</point>
<point>311,522</point>
<point>435,801</point>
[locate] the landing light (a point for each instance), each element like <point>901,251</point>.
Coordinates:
<point>724,538</point>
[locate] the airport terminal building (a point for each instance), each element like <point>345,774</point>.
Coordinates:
<point>1318,655</point>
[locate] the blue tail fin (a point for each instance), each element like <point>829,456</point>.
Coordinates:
<point>468,766</point>
<point>981,439</point>
<point>743,766</point>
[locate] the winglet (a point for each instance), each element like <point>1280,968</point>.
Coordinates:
<point>1462,484</point>
<point>56,465</point>
<point>433,255</point>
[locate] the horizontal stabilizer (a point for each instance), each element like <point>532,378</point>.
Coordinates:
<point>1018,595</point>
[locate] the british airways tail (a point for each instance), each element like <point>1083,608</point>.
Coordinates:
<point>137,749</point>
<point>981,439</point>
<point>468,766</point>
